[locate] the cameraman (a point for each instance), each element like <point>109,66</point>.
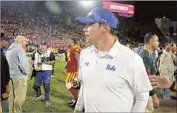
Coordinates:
<point>44,59</point>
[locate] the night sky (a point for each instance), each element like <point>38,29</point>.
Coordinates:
<point>144,10</point>
<point>149,9</point>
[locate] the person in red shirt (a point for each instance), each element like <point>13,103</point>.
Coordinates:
<point>72,68</point>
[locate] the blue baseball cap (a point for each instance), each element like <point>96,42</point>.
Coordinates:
<point>99,15</point>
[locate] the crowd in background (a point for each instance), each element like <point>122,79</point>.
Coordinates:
<point>36,27</point>
<point>39,28</point>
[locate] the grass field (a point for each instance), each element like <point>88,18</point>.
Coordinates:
<point>59,96</point>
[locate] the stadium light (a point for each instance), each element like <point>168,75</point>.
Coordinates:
<point>86,4</point>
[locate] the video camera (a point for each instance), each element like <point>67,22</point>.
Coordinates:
<point>45,59</point>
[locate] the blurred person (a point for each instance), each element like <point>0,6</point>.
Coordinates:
<point>151,44</point>
<point>5,76</point>
<point>166,67</point>
<point>53,66</point>
<point>43,64</point>
<point>61,52</point>
<point>67,49</point>
<point>8,44</point>
<point>160,51</point>
<point>176,66</point>
<point>108,83</point>
<point>19,71</point>
<point>2,34</point>
<point>140,47</point>
<point>72,69</point>
<point>36,50</point>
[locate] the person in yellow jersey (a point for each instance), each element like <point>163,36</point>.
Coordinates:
<point>72,69</point>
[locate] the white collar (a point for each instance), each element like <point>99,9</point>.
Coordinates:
<point>112,52</point>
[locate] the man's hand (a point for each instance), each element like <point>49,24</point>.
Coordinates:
<point>155,101</point>
<point>153,80</point>
<point>160,81</point>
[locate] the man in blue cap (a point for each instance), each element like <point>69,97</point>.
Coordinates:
<point>113,78</point>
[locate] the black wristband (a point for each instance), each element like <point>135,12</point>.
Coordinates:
<point>152,93</point>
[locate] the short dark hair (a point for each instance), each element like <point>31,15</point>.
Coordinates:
<point>148,37</point>
<point>114,32</point>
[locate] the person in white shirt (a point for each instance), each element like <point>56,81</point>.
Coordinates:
<point>44,60</point>
<point>113,78</point>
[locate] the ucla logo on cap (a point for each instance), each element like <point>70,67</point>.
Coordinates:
<point>103,20</point>
<point>90,13</point>
<point>111,68</point>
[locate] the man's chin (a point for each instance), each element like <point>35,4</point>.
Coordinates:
<point>87,43</point>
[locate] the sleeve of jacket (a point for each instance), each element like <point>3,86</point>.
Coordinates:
<point>23,62</point>
<point>5,74</point>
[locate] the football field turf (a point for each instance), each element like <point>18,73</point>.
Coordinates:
<point>59,95</point>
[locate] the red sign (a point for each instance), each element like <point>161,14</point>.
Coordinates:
<point>120,8</point>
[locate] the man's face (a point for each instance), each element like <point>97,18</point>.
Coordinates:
<point>92,33</point>
<point>25,43</point>
<point>4,44</point>
<point>154,42</point>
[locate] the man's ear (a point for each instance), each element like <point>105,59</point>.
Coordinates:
<point>105,28</point>
<point>150,42</point>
